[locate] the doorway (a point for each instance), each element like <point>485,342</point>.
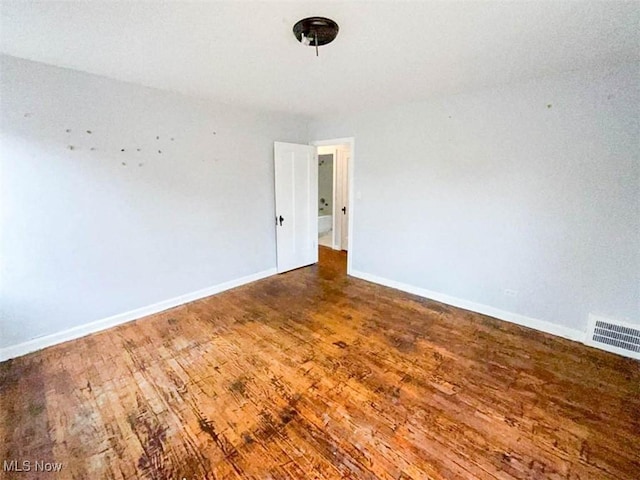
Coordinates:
<point>335,168</point>
<point>333,196</point>
<point>299,206</point>
<point>326,200</point>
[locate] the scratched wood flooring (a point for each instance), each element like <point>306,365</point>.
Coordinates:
<point>312,374</point>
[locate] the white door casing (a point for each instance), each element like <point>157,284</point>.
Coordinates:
<point>296,189</point>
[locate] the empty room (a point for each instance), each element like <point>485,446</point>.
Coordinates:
<point>320,240</point>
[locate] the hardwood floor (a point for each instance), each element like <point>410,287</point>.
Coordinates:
<point>312,374</point>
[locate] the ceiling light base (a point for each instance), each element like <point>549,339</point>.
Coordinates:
<point>315,31</point>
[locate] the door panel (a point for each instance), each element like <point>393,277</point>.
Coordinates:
<point>344,230</point>
<point>296,188</point>
<point>337,201</point>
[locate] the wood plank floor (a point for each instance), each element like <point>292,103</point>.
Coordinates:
<point>312,374</point>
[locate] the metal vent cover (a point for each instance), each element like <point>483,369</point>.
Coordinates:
<point>614,336</point>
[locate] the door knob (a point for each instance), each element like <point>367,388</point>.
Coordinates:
<point>344,210</point>
<point>281,220</point>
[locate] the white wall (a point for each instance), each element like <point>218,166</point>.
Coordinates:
<point>466,195</point>
<point>85,236</point>
<point>533,187</point>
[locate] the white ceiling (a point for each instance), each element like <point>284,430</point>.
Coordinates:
<point>386,52</point>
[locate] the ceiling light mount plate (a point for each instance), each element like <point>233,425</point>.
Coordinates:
<point>315,31</point>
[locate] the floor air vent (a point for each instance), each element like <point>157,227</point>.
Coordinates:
<point>614,336</point>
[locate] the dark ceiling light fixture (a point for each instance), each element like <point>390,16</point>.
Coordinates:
<point>315,31</point>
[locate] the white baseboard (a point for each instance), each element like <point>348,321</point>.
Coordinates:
<point>516,318</point>
<point>39,343</point>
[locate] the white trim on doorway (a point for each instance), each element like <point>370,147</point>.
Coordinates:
<point>350,141</point>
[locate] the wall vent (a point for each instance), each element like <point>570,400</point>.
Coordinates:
<point>614,336</point>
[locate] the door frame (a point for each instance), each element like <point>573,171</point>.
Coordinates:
<point>350,170</point>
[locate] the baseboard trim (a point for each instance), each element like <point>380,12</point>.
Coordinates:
<point>45,341</point>
<point>543,326</point>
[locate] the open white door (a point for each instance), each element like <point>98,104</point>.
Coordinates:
<point>345,157</point>
<point>341,197</point>
<point>296,177</point>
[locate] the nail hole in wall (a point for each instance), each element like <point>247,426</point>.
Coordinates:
<point>89,132</point>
